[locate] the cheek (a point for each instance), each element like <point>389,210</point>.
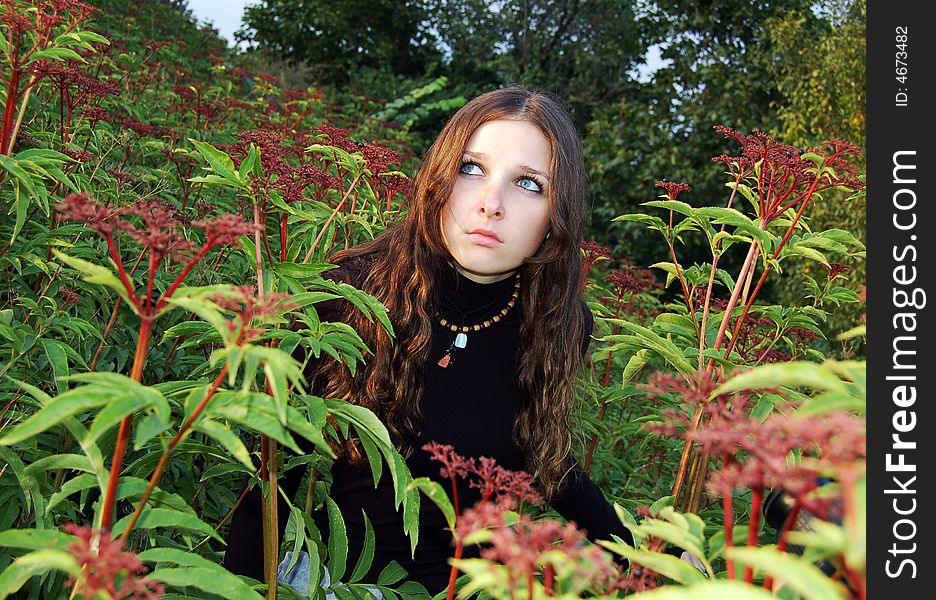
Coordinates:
<point>536,224</point>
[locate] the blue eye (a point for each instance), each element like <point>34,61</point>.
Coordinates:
<point>530,184</point>
<point>470,168</point>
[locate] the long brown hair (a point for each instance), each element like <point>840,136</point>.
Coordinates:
<point>401,266</point>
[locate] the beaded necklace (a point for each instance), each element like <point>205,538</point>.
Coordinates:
<point>462,331</point>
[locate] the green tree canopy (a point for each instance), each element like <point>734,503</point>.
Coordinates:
<point>335,37</point>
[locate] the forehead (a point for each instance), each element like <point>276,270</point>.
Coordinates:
<point>511,139</point>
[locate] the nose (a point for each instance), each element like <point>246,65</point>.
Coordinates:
<point>492,204</point>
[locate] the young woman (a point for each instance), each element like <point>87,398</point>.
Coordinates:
<point>481,280</point>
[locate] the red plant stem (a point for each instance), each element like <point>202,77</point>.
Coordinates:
<point>455,496</point>
<point>11,98</point>
<point>763,277</point>
<point>258,257</point>
<point>124,279</point>
<point>283,231</point>
<point>331,218</point>
<point>123,434</point>
<point>856,580</point>
<point>757,499</point>
<point>679,275</point>
<point>783,542</point>
<point>453,574</point>
<point>683,467</point>
<point>708,290</point>
<point>149,280</point>
<point>178,280</point>
<point>164,459</point>
<point>733,301</point>
<point>270,521</point>
<point>530,584</point>
<point>549,575</point>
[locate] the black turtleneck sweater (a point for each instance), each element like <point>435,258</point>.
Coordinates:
<point>472,405</point>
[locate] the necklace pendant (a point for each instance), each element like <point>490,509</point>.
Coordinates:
<point>445,360</point>
<point>461,340</point>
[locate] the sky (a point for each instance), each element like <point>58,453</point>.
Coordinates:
<point>225,15</point>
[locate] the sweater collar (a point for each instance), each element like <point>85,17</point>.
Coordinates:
<point>461,298</point>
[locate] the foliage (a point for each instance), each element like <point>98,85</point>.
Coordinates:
<point>171,164</point>
<point>335,36</point>
<point>168,212</point>
<point>820,75</point>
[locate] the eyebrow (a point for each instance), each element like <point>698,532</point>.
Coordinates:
<point>481,156</point>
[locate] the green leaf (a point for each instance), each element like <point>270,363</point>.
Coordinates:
<point>664,564</point>
<point>207,579</point>
<point>225,583</point>
<point>227,438</point>
<point>634,364</point>
<point>51,462</point>
<point>65,405</point>
<point>652,341</point>
<point>674,535</point>
<point>434,491</point>
<point>122,403</point>
<point>391,574</point>
<point>96,274</point>
<point>55,353</point>
<point>249,163</point>
<point>801,575</point>
<point>367,553</point>
<point>709,590</point>
<point>220,162</point>
<point>151,518</point>
<point>674,205</point>
<point>791,374</point>
<point>252,410</point>
<point>729,216</point>
<point>301,271</point>
<point>54,54</point>
<point>35,539</point>
<point>35,563</point>
<point>337,540</point>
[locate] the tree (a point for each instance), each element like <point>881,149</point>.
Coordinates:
<point>718,56</point>
<point>820,77</point>
<point>582,51</point>
<point>336,37</point>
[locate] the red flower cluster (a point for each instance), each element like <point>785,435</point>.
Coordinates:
<point>630,279</point>
<point>715,302</point>
<point>248,309</point>
<point>160,231</point>
<point>673,190</point>
<point>835,269</point>
<point>103,562</point>
<point>758,450</point>
<point>160,235</point>
<point>278,173</point>
<point>592,252</point>
<point>484,474</point>
<point>224,230</point>
<point>785,178</point>
<point>520,546</point>
<point>79,207</point>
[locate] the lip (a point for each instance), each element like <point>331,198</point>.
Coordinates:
<point>486,238</point>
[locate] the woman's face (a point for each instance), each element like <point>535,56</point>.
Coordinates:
<point>498,213</point>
